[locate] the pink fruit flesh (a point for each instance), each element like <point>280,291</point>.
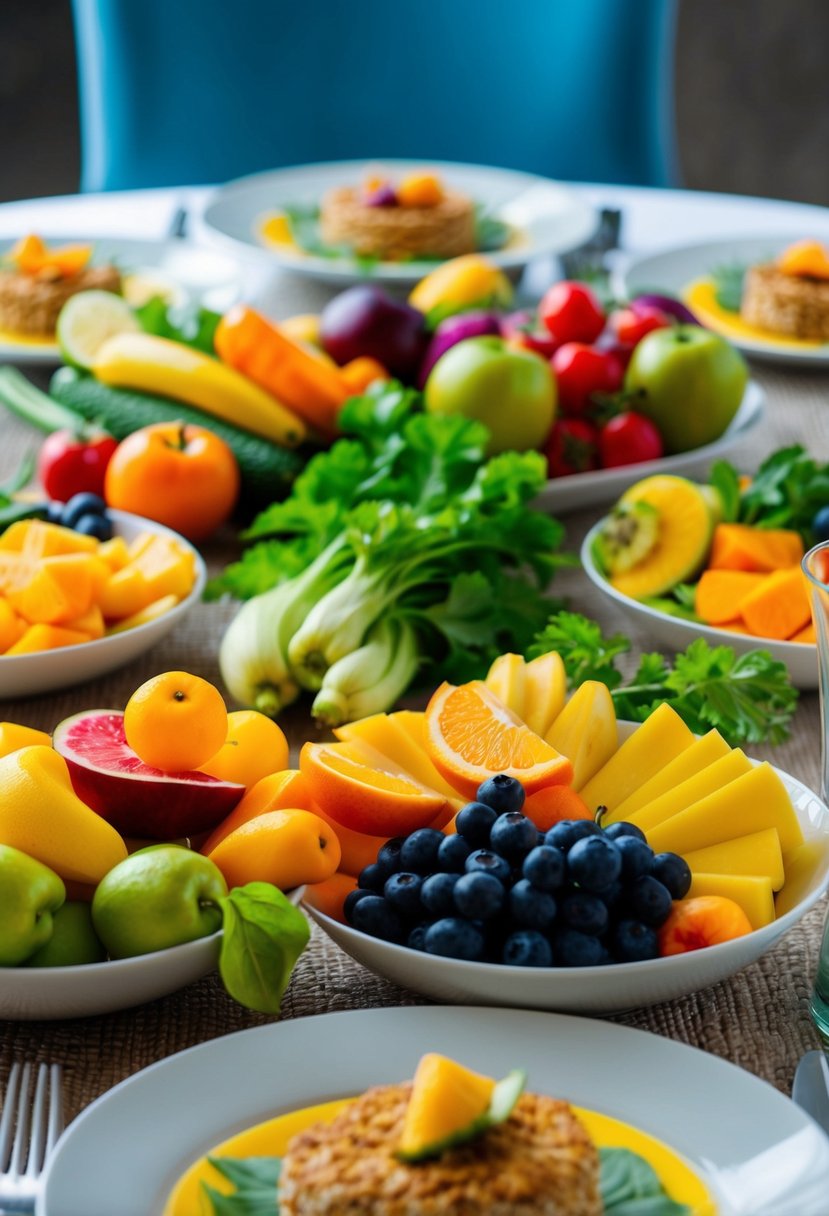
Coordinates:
<point>136,799</point>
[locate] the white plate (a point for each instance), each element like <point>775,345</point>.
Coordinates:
<point>605,485</point>
<point>674,632</point>
<point>24,675</point>
<point>607,989</point>
<point>550,217</point>
<point>670,273</point>
<point>186,271</point>
<point>758,1151</point>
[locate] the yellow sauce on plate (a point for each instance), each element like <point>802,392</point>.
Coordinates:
<point>270,1139</point>
<point>701,298</point>
<point>9,338</point>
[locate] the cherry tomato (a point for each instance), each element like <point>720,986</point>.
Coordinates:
<point>180,475</point>
<point>572,447</point>
<point>69,464</point>
<point>521,329</point>
<point>631,324</point>
<point>571,313</point>
<point>610,344</point>
<point>581,371</point>
<point>629,438</point>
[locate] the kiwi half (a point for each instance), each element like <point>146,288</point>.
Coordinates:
<point>627,536</point>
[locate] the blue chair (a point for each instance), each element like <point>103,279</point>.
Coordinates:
<point>176,92</point>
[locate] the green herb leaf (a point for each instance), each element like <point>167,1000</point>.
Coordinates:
<point>629,1186</point>
<point>726,481</point>
<point>189,323</point>
<point>264,935</point>
<point>786,491</point>
<point>256,1180</point>
<point>585,652</point>
<point>729,280</point>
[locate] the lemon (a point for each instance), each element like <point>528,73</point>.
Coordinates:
<point>87,320</point>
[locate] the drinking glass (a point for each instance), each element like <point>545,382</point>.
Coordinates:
<point>816,569</point>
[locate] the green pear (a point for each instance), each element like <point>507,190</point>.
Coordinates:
<point>30,893</point>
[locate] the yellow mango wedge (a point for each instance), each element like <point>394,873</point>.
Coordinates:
<point>585,731</point>
<point>689,792</point>
<point>757,854</point>
<point>653,745</point>
<point>687,764</point>
<point>506,678</point>
<point>545,691</point>
<point>752,893</point>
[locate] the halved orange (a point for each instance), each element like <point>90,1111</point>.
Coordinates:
<point>366,792</point>
<point>471,735</point>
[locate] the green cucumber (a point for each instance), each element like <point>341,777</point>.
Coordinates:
<point>268,471</point>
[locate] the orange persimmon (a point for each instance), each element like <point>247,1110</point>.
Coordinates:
<point>550,805</point>
<point>329,896</point>
<point>705,920</point>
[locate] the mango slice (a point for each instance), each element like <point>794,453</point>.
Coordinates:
<point>656,742</point>
<point>758,853</point>
<point>585,731</point>
<point>752,893</point>
<point>689,792</point>
<point>687,764</point>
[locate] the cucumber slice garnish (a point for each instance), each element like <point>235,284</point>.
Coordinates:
<point>87,320</point>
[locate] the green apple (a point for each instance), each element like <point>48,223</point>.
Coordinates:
<point>158,897</point>
<point>511,391</point>
<point>73,941</point>
<point>689,381</point>
<point>30,893</point>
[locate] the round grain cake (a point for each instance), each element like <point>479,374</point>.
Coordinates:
<point>540,1162</point>
<point>30,303</point>
<point>445,229</point>
<point>795,305</point>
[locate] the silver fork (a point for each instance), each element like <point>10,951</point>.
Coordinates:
<point>29,1129</point>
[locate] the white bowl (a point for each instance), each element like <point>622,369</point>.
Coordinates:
<point>608,989</point>
<point>48,993</point>
<point>23,675</point>
<point>672,631</point>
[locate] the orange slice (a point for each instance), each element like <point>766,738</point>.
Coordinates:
<point>365,792</point>
<point>471,735</point>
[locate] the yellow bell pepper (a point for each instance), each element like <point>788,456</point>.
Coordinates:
<point>465,282</point>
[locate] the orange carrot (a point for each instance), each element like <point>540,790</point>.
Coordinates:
<point>360,373</point>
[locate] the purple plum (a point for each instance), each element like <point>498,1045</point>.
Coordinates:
<point>453,330</point>
<point>667,304</point>
<point>364,320</point>
<point>384,195</point>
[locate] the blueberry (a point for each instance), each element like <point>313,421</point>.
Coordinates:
<point>375,916</point>
<point>419,852</point>
<point>637,857</point>
<point>81,504</point>
<point>594,863</point>
<point>513,835</point>
<point>54,511</point>
<point>402,891</point>
<point>479,896</point>
<point>474,822</point>
<point>484,861</point>
<point>452,854</point>
<point>613,895</point>
<point>455,938</point>
<point>388,856</point>
<point>634,942</point>
<point>531,908</point>
<point>526,948</point>
<point>673,872</point>
<point>544,867</point>
<point>585,912</point>
<point>351,901</point>
<point>564,834</point>
<point>372,878</point>
<point>417,938</point>
<point>436,894</point>
<point>648,900</point>
<point>502,793</point>
<point>574,949</point>
<point>820,524</point>
<point>98,526</point>
<point>615,831</point>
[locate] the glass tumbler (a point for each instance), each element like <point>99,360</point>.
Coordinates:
<point>816,569</point>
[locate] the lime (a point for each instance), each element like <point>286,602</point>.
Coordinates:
<point>87,320</point>
<point>73,941</point>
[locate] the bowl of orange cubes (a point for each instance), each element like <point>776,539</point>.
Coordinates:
<point>73,608</point>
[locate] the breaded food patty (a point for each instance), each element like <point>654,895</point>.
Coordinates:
<point>540,1162</point>
<point>785,303</point>
<point>443,230</point>
<point>30,303</point>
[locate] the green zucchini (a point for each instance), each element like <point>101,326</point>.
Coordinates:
<point>268,471</point>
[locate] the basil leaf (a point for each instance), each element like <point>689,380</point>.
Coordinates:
<point>629,1186</point>
<point>725,480</point>
<point>264,935</point>
<point>188,323</point>
<point>256,1180</point>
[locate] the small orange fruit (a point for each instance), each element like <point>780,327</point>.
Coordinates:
<point>328,897</point>
<point>358,849</point>
<point>471,735</point>
<point>254,748</point>
<point>175,721</point>
<point>548,806</point>
<point>704,920</point>
<point>276,792</point>
<point>287,848</point>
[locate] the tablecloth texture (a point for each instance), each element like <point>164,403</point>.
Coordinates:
<point>759,1019</point>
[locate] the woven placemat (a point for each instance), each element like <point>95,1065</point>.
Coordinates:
<point>758,1019</point>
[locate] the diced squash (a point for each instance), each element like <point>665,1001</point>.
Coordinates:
<point>741,547</point>
<point>61,589</point>
<point>91,622</point>
<point>719,592</point>
<point>719,774</point>
<point>114,552</point>
<point>151,613</point>
<point>752,893</point>
<point>687,764</point>
<point>167,568</point>
<point>754,801</point>
<point>124,593</point>
<point>758,853</point>
<point>43,539</point>
<point>139,544</point>
<point>653,745</point>
<point>47,637</point>
<point>801,865</point>
<point>585,731</point>
<point>14,537</point>
<point>807,635</point>
<point>13,736</point>
<point>12,626</point>
<point>780,607</point>
<point>15,570</point>
<point>733,627</point>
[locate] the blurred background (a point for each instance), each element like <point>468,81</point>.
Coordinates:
<point>752,98</point>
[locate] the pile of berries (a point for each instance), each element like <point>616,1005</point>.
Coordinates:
<point>500,891</point>
<point>85,513</point>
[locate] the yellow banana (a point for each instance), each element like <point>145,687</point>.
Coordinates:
<point>170,369</point>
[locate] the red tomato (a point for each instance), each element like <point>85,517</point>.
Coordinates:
<point>581,371</point>
<point>631,324</point>
<point>629,438</point>
<point>522,329</point>
<point>572,447</point>
<point>609,343</point>
<point>571,313</point>
<point>70,464</point>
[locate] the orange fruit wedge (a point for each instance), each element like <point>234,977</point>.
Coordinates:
<point>363,791</point>
<point>471,735</point>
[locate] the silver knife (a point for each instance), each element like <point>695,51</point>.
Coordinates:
<point>810,1089</point>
